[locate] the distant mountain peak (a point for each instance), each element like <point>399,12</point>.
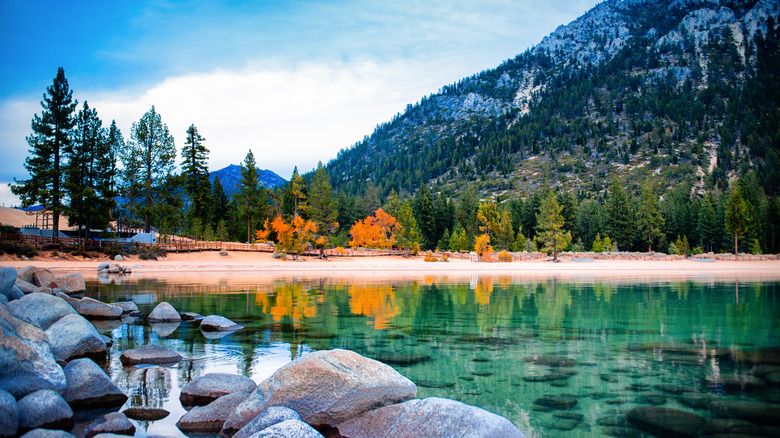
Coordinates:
<point>230,178</point>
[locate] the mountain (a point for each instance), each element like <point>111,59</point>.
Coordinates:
<point>230,178</point>
<point>667,90</point>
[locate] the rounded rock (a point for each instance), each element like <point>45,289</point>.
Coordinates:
<point>266,419</point>
<point>44,409</point>
<point>216,323</point>
<point>40,309</point>
<point>210,418</point>
<point>164,312</point>
<point>9,418</point>
<point>115,423</point>
<point>206,389</point>
<point>47,433</point>
<point>90,387</point>
<point>149,354</point>
<point>355,384</point>
<point>72,337</point>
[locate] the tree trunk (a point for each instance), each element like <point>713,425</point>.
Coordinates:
<point>248,230</point>
<point>736,244</point>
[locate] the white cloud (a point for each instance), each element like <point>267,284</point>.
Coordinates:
<point>8,199</point>
<point>287,117</point>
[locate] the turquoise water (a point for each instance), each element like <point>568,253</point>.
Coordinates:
<point>516,348</point>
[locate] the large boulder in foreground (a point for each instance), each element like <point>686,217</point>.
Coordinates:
<point>266,419</point>
<point>210,418</point>
<point>149,354</point>
<point>325,388</point>
<point>429,417</point>
<point>9,418</point>
<point>289,429</point>
<point>206,389</point>
<point>44,409</point>
<point>90,387</point>
<point>73,337</point>
<point>7,280</point>
<point>164,312</point>
<point>47,433</point>
<point>26,361</point>
<point>40,309</point>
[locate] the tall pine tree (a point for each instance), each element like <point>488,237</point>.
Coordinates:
<point>196,176</point>
<point>50,137</point>
<point>148,161</point>
<point>89,174</point>
<point>251,196</point>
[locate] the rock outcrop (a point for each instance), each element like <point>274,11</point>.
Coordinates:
<point>355,384</point>
<point>164,312</point>
<point>429,417</point>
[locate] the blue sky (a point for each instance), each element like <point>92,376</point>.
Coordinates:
<point>295,81</point>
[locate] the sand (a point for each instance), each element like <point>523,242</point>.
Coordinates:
<point>248,265</point>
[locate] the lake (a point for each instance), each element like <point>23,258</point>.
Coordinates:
<point>524,349</point>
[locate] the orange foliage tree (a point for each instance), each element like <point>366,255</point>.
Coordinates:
<point>294,237</point>
<point>377,231</point>
<point>482,246</point>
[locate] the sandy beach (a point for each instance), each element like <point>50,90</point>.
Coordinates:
<point>246,264</point>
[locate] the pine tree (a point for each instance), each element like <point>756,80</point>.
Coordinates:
<point>408,235</point>
<point>505,234</point>
<point>220,201</point>
<point>736,215</point>
<point>51,135</point>
<point>295,195</point>
<point>650,219</point>
<point>619,221</point>
<point>196,176</point>
<point>148,161</point>
<point>251,196</point>
<point>550,223</point>
<point>425,215</point>
<point>89,174</point>
<point>323,208</point>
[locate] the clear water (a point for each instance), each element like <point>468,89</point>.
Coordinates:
<point>488,342</point>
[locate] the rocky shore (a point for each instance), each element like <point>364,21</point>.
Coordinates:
<point>49,370</point>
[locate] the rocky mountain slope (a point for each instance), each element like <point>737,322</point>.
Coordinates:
<point>230,178</point>
<point>669,90</point>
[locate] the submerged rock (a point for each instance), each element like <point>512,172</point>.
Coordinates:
<point>752,411</point>
<point>428,417</point>
<point>551,361</point>
<point>206,389</point>
<point>665,421</point>
<point>402,359</point>
<point>561,402</point>
<point>355,384</point>
<point>149,354</point>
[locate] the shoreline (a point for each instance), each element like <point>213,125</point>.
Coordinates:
<point>239,265</point>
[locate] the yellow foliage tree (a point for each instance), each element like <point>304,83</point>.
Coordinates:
<point>377,231</point>
<point>292,238</point>
<point>482,246</point>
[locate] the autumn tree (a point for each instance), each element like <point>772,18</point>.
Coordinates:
<point>550,225</point>
<point>51,134</point>
<point>488,217</point>
<point>294,237</point>
<point>482,246</point>
<point>148,159</point>
<point>377,231</point>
